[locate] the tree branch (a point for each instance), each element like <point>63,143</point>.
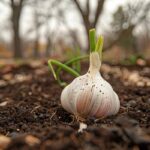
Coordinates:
<point>83,14</point>
<point>88,9</point>
<point>78,6</point>
<point>98,12</point>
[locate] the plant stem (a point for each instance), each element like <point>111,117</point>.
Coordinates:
<point>73,60</point>
<point>63,66</point>
<point>92,40</point>
<point>76,59</point>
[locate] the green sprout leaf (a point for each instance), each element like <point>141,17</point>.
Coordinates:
<point>68,69</point>
<point>92,40</point>
<point>95,46</point>
<point>73,60</point>
<point>99,45</point>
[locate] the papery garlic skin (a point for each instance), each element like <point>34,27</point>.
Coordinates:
<point>90,95</point>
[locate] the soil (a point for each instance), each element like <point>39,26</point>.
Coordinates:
<point>30,108</point>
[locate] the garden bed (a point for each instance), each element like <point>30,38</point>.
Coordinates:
<point>31,116</point>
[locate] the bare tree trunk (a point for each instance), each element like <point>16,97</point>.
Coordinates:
<point>48,47</point>
<point>48,38</point>
<point>16,13</point>
<point>38,24</point>
<point>36,44</point>
<point>36,49</point>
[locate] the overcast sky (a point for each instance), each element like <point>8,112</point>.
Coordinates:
<point>72,18</point>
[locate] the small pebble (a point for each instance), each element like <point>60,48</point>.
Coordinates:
<point>131,103</point>
<point>140,84</point>
<point>31,140</point>
<point>3,103</point>
<point>4,141</point>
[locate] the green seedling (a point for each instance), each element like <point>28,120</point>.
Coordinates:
<point>72,66</point>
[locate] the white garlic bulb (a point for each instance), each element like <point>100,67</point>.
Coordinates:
<point>90,95</point>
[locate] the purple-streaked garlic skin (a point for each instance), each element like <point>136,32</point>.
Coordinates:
<point>90,95</point>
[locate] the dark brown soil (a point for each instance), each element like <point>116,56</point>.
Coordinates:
<point>33,108</point>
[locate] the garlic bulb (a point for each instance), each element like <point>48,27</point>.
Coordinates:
<point>90,95</point>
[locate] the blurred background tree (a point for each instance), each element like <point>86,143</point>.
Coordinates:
<point>16,10</point>
<point>125,21</point>
<point>53,28</point>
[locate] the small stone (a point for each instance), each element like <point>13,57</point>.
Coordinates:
<point>3,103</point>
<point>8,76</point>
<point>40,71</point>
<point>30,93</point>
<point>140,84</point>
<point>18,130</point>
<point>134,77</point>
<point>141,62</point>
<point>4,141</point>
<point>3,83</point>
<point>31,140</point>
<point>148,83</point>
<point>131,103</point>
<point>138,111</point>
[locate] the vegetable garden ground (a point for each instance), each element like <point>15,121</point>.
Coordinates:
<point>31,116</point>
